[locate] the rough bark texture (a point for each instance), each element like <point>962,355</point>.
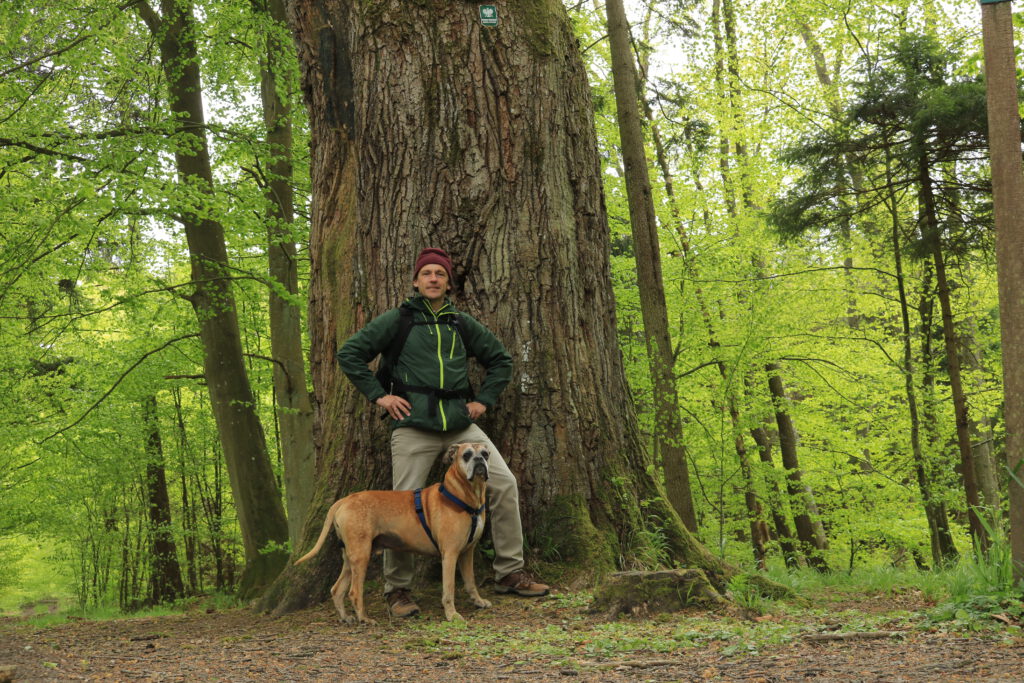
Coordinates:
<point>644,225</point>
<point>429,129</point>
<point>257,499</point>
<point>1008,197</point>
<point>295,410</point>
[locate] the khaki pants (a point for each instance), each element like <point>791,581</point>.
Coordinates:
<point>413,453</point>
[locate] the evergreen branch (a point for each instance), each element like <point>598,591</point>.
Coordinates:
<point>117,382</point>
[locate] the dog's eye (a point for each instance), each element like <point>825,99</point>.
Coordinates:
<point>467,455</point>
<point>485,454</point>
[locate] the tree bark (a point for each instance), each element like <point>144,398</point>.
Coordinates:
<point>963,427</point>
<point>1008,198</point>
<point>808,530</point>
<point>644,225</point>
<point>257,499</point>
<point>775,504</point>
<point>165,583</point>
<point>294,409</point>
<point>429,129</point>
<point>940,539</point>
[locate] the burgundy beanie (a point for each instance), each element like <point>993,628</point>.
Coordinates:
<point>436,256</point>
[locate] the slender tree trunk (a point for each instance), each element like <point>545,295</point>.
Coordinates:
<point>165,583</point>
<point>808,529</point>
<point>980,429</point>
<point>257,499</point>
<point>479,140</point>
<point>1008,197</point>
<point>963,427</point>
<point>190,530</point>
<point>941,541</point>
<point>295,411</point>
<point>775,502</point>
<point>644,224</point>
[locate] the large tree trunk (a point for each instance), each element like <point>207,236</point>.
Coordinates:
<point>295,411</point>
<point>257,499</point>
<point>661,359</point>
<point>165,583</point>
<point>1008,197</point>
<point>429,129</point>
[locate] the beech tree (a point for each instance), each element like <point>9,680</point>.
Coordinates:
<point>430,128</point>
<point>257,498</point>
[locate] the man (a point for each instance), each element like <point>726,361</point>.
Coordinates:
<point>432,406</point>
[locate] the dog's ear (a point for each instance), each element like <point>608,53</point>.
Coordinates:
<point>450,454</point>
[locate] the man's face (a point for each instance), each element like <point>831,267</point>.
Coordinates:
<point>432,281</point>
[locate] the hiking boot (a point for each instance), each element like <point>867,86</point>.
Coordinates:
<point>521,583</point>
<point>401,604</point>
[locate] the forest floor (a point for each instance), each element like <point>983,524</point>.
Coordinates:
<point>830,637</point>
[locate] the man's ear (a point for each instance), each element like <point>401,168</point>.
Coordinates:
<point>449,455</point>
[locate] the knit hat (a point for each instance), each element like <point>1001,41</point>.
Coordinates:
<point>436,256</point>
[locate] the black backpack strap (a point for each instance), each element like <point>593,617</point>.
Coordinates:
<point>389,357</point>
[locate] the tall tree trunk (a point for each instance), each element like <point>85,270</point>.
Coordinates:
<point>931,230</point>
<point>165,573</point>
<point>257,499</point>
<point>805,517</point>
<point>188,522</point>
<point>295,411</point>
<point>431,129</point>
<point>1008,197</point>
<point>647,249</point>
<point>940,539</point>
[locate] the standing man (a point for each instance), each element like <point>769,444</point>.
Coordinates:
<point>425,389</point>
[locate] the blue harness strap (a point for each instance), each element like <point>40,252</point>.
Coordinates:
<point>474,513</point>
<point>417,500</point>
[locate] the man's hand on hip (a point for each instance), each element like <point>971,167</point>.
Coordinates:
<point>475,409</point>
<point>398,408</point>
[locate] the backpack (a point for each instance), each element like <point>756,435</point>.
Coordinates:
<point>389,358</point>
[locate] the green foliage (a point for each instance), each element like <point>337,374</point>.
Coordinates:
<point>93,275</point>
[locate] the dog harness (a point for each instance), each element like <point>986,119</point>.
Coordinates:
<point>474,513</point>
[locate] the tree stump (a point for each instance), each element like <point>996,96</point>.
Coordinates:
<point>642,593</point>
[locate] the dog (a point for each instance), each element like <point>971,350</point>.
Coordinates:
<point>372,521</point>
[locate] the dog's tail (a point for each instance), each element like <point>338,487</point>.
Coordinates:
<point>323,535</point>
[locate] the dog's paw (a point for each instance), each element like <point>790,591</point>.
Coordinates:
<point>367,621</point>
<point>481,603</point>
<point>454,616</point>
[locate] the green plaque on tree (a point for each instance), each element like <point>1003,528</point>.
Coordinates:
<point>488,15</point>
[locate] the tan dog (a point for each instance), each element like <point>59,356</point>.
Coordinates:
<point>372,521</point>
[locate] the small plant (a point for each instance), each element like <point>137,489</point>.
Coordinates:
<point>746,594</point>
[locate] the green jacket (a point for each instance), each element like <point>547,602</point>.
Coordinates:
<point>433,356</point>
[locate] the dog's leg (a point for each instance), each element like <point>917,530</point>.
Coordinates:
<point>448,561</point>
<point>359,558</point>
<point>466,571</point>
<point>341,587</point>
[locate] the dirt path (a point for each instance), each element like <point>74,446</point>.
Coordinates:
<point>517,640</point>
